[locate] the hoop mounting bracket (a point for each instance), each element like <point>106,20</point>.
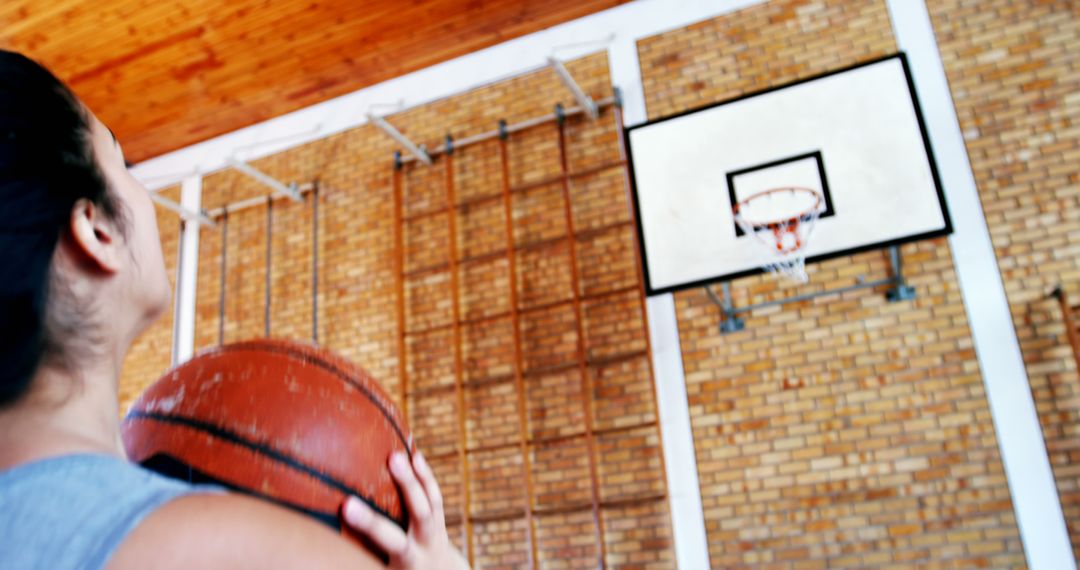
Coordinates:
<point>898,291</point>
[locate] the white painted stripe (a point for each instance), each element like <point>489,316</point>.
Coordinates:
<point>680,460</point>
<point>1027,467</point>
<point>187,274</point>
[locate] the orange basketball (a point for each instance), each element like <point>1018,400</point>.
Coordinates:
<point>280,420</point>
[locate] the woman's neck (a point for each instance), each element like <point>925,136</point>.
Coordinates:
<point>65,412</point>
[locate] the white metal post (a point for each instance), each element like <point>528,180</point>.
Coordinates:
<point>187,273</point>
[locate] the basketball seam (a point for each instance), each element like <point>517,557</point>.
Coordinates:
<point>236,439</point>
<point>208,479</point>
<point>341,374</point>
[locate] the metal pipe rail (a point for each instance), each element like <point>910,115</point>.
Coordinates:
<point>731,322</point>
<point>208,217</point>
<point>513,128</point>
<point>255,201</point>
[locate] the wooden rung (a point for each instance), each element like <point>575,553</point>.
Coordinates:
<point>494,447</point>
<point>525,310</point>
<point>589,233</point>
<point>617,358</point>
<point>475,201</point>
<point>606,361</point>
<point>581,235</point>
<point>545,441</point>
<point>551,440</point>
<point>632,500</point>
<point>571,175</point>
<point>584,299</point>
<point>496,516</point>
<point>463,322</point>
<point>453,519</point>
<point>435,457</point>
<point>470,384</point>
<point>614,503</point>
<point>430,391</point>
<point>566,508</point>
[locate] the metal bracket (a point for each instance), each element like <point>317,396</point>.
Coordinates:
<point>729,323</point>
<point>898,291</point>
<point>404,141</point>
<point>292,190</point>
<point>583,100</point>
<point>187,215</point>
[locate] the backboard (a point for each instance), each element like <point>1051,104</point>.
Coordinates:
<point>856,136</point>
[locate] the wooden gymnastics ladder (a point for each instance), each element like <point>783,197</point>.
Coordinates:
<point>526,443</point>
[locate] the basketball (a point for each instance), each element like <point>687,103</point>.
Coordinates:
<point>280,420</point>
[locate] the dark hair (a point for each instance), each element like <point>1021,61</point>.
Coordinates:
<point>46,165</point>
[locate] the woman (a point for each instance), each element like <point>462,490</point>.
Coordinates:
<point>81,276</point>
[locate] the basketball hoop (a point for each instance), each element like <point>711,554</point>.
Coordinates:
<point>782,219</point>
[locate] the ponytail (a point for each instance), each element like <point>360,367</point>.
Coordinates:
<point>46,164</point>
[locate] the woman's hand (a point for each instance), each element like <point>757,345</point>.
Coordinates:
<point>426,546</point>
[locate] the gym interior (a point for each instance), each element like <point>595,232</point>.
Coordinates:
<point>454,207</point>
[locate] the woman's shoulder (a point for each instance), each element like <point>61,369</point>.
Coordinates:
<point>235,531</point>
<point>89,511</point>
<point>75,509</point>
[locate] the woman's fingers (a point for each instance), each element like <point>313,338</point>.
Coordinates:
<point>384,533</point>
<point>415,497</point>
<point>427,478</point>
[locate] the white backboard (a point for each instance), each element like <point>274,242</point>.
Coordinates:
<point>854,135</point>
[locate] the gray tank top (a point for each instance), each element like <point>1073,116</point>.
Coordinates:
<point>74,511</point>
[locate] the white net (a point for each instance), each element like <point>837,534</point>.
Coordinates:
<point>781,220</point>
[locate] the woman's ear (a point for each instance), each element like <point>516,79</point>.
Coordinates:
<point>95,237</point>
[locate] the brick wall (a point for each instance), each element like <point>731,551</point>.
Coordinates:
<point>1014,71</point>
<point>840,432</point>
<point>151,354</point>
<point>844,431</point>
<point>356,293</point>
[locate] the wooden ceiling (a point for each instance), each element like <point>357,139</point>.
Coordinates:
<point>164,74</point>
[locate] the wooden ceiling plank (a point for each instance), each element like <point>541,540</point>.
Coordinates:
<point>30,15</point>
<point>162,88</point>
<point>296,47</point>
<point>77,53</point>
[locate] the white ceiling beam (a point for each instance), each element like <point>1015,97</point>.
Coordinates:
<point>582,98</point>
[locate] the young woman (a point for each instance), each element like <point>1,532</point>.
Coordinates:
<point>81,276</point>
